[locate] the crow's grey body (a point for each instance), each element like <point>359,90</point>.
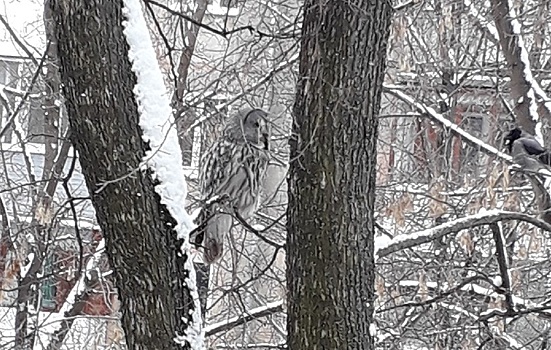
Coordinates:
<point>231,178</point>
<point>536,160</point>
<point>526,150</point>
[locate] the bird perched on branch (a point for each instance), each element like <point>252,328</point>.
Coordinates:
<point>231,178</point>
<point>526,150</point>
<point>531,155</point>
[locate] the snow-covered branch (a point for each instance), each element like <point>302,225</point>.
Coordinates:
<point>410,240</point>
<point>445,123</point>
<point>247,316</point>
<point>515,52</point>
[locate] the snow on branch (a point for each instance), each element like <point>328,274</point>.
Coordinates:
<point>524,86</point>
<point>439,118</point>
<point>405,241</point>
<point>534,85</point>
<point>442,294</point>
<point>524,63</point>
<point>536,94</point>
<point>247,316</point>
<point>164,158</point>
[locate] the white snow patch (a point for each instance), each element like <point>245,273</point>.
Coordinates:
<point>164,159</point>
<point>531,93</point>
<point>381,242</point>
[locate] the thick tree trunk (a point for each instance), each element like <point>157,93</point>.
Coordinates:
<point>522,91</point>
<point>330,262</point>
<point>140,242</point>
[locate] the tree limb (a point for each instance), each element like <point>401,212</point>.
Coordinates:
<point>411,240</point>
<point>245,317</point>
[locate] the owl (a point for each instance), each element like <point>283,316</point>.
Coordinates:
<point>231,179</point>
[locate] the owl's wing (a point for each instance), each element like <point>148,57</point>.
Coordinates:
<point>235,170</point>
<point>216,168</point>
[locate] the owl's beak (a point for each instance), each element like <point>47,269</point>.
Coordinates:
<point>265,138</point>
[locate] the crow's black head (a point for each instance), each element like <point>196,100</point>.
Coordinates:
<point>511,137</point>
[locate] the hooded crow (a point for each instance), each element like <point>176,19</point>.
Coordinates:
<point>522,145</point>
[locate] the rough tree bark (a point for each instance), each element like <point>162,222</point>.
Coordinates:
<point>524,92</point>
<point>330,260</point>
<point>521,85</point>
<point>140,242</point>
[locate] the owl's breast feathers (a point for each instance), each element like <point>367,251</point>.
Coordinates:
<point>231,180</point>
<point>235,170</point>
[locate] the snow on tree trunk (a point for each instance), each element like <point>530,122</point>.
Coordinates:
<point>525,90</point>
<point>330,259</point>
<point>142,243</point>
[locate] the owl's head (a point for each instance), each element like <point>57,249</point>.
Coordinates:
<point>250,126</point>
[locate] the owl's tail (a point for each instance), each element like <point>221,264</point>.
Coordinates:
<point>213,226</point>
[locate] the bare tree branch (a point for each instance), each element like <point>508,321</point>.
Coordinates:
<point>247,316</point>
<point>406,241</point>
<point>224,33</point>
<point>17,40</point>
<point>445,123</point>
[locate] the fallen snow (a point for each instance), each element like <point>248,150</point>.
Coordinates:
<point>164,159</point>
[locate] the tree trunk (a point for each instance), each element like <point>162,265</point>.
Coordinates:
<point>142,247</point>
<point>522,91</point>
<point>330,260</point>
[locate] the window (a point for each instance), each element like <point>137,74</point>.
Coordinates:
<point>32,117</point>
<point>229,3</point>
<point>15,77</point>
<point>472,159</point>
<point>224,7</point>
<point>225,3</point>
<point>48,286</point>
<point>35,117</point>
<point>10,79</point>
